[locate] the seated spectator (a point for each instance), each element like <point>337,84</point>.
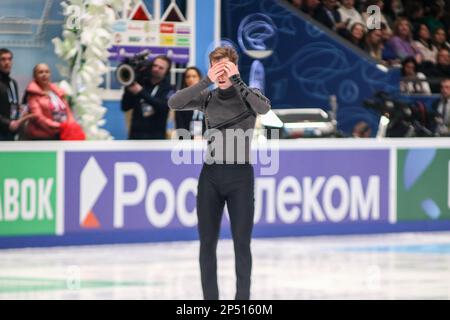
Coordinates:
<point>440,39</point>
<point>360,5</point>
<point>446,18</point>
<point>328,15</point>
<point>366,15</point>
<point>440,70</point>
<point>47,102</point>
<point>297,3</point>
<point>374,45</point>
<point>415,13</point>
<point>433,18</point>
<point>424,44</point>
<point>309,7</point>
<point>448,33</point>
<point>413,82</point>
<point>361,130</point>
<point>440,111</point>
<point>349,14</point>
<point>357,35</point>
<point>388,53</point>
<point>391,9</point>
<point>402,43</point>
<point>385,34</point>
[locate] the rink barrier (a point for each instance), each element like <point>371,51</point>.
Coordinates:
<point>74,193</point>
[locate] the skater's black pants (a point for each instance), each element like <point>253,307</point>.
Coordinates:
<point>232,184</point>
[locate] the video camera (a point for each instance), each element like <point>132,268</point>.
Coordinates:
<point>137,68</point>
<point>405,119</point>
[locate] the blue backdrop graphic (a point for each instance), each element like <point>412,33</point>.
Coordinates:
<point>304,63</point>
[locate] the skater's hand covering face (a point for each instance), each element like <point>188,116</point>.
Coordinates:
<point>220,72</point>
<point>231,69</point>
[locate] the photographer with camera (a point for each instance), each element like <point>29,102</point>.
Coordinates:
<point>405,119</point>
<point>147,95</point>
<point>440,111</point>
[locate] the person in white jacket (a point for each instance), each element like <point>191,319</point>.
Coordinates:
<point>349,13</point>
<point>413,82</point>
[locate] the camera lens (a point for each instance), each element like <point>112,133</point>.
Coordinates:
<point>125,74</point>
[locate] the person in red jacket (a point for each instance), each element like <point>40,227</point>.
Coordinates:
<point>46,100</point>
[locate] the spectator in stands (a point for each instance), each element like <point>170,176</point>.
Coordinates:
<point>183,119</point>
<point>440,39</point>
<point>446,11</point>
<point>424,44</point>
<point>385,34</point>
<point>149,102</point>
<point>309,7</point>
<point>413,82</point>
<point>440,111</point>
<point>349,13</point>
<point>374,45</point>
<point>388,53</point>
<point>361,130</point>
<point>380,4</point>
<point>448,32</point>
<point>357,35</point>
<point>9,99</point>
<point>297,3</point>
<point>328,15</point>
<point>441,69</point>
<point>446,18</point>
<point>360,5</point>
<point>402,43</point>
<point>443,61</point>
<point>433,18</point>
<point>391,10</point>
<point>415,13</point>
<point>47,102</point>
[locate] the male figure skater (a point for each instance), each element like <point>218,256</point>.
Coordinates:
<point>232,107</point>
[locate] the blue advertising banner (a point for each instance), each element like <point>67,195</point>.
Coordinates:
<point>146,191</point>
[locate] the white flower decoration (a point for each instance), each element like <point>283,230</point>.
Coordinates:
<point>84,47</point>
